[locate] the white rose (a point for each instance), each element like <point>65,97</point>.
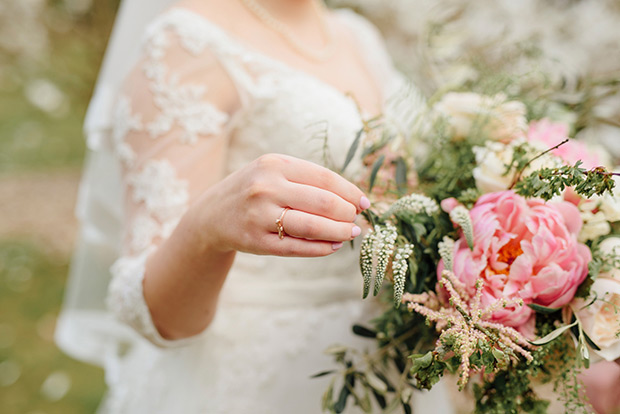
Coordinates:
<point>601,320</point>
<point>492,159</point>
<point>610,206</point>
<point>494,117</point>
<point>595,225</point>
<point>597,213</point>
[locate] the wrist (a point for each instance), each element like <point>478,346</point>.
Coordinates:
<point>201,224</point>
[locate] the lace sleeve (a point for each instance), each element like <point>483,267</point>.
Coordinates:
<point>170,134</point>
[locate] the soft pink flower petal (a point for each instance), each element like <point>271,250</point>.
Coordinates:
<point>449,204</point>
<point>550,134</point>
<point>571,215</point>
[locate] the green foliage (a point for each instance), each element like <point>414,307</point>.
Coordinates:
<point>448,169</point>
<point>553,335</point>
<point>514,390</point>
<point>547,183</point>
<point>509,392</point>
<point>31,289</point>
<point>469,197</point>
<point>427,369</point>
<point>383,376</point>
<point>603,262</point>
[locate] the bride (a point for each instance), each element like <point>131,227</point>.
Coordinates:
<point>207,187</point>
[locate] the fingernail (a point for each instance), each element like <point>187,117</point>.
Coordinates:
<point>364,203</point>
<point>356,231</point>
<point>336,246</point>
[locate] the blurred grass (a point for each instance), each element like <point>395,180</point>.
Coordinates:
<point>33,138</point>
<point>43,137</point>
<point>28,143</point>
<point>31,288</point>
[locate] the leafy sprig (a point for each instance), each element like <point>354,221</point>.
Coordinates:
<point>547,183</point>
<point>603,262</point>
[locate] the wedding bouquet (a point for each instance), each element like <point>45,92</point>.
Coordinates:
<point>494,246</point>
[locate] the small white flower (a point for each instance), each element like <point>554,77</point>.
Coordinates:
<point>595,225</point>
<point>460,215</point>
<point>384,249</point>
<point>399,268</point>
<point>446,251</point>
<point>415,204</point>
<point>492,160</point>
<point>366,260</point>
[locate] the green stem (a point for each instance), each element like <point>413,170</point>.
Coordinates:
<point>520,172</point>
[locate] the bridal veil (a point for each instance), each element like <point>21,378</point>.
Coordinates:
<point>86,330</point>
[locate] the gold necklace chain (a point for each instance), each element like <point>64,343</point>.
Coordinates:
<point>287,34</point>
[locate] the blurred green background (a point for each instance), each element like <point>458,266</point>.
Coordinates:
<point>50,52</point>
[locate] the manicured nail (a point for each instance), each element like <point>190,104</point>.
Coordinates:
<point>356,231</point>
<point>364,203</point>
<point>336,246</point>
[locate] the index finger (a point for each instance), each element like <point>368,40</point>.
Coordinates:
<point>308,173</point>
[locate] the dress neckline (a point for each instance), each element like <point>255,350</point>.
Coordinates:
<point>284,66</point>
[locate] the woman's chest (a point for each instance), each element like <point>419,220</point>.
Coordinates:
<point>297,115</point>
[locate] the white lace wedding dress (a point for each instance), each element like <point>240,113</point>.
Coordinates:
<point>276,315</point>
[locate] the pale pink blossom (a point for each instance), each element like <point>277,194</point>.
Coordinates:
<point>549,134</point>
<point>449,204</point>
<point>523,248</point>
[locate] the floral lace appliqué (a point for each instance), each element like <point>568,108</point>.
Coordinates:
<point>164,197</point>
<point>125,121</point>
<point>126,299</point>
<point>158,187</point>
<point>180,104</point>
<point>185,106</point>
<point>126,295</point>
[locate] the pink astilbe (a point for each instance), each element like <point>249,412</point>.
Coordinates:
<point>464,322</point>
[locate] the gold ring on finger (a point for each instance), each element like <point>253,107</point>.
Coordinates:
<point>280,224</point>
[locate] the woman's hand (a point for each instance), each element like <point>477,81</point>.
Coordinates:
<point>184,276</point>
<point>239,213</point>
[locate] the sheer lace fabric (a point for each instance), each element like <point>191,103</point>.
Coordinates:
<point>198,92</point>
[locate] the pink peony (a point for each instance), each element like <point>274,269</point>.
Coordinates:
<point>551,134</point>
<point>523,248</point>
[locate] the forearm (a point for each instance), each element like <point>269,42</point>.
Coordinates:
<point>183,279</point>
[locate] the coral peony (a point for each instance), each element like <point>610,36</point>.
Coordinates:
<point>523,248</point>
